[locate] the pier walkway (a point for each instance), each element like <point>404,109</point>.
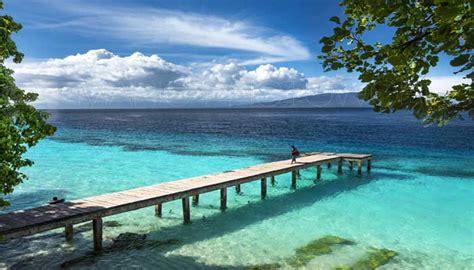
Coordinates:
<point>65,215</point>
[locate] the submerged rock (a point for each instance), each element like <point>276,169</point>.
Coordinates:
<point>268,266</point>
<point>374,259</point>
<point>315,248</point>
<point>130,240</point>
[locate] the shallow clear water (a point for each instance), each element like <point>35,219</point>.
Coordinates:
<point>417,201</point>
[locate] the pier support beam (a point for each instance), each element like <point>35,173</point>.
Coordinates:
<point>339,166</point>
<point>223,198</point>
<point>264,188</point>
<point>329,165</point>
<point>293,179</point>
<point>195,199</point>
<point>237,188</point>
<point>318,172</point>
<point>369,165</point>
<point>359,167</point>
<point>272,180</point>
<point>186,212</point>
<point>69,232</point>
<point>97,232</point>
<point>158,210</point>
<point>351,165</point>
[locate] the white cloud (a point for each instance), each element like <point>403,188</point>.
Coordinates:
<point>336,84</point>
<point>152,26</point>
<point>224,74</point>
<point>236,76</point>
<point>443,84</point>
<point>99,68</point>
<point>101,78</point>
<point>268,76</point>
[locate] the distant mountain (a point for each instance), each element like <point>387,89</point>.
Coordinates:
<point>330,100</point>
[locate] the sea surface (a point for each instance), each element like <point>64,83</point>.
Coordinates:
<point>418,201</point>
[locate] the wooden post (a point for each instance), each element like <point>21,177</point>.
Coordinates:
<point>318,172</point>
<point>359,167</point>
<point>369,164</point>
<point>97,232</point>
<point>223,198</point>
<point>293,179</point>
<point>298,173</point>
<point>186,213</point>
<point>158,210</point>
<point>237,188</point>
<point>264,188</point>
<point>339,166</point>
<point>68,232</point>
<point>272,180</point>
<point>329,165</point>
<point>195,199</point>
<point>351,165</point>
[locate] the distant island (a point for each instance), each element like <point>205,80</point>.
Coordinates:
<point>329,100</point>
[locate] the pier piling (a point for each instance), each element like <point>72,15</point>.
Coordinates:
<point>195,199</point>
<point>69,232</point>
<point>158,210</point>
<point>339,166</point>
<point>293,179</point>
<point>359,167</point>
<point>97,233</point>
<point>186,211</point>
<point>264,188</point>
<point>223,198</point>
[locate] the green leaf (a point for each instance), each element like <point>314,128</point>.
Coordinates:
<point>326,49</point>
<point>459,60</point>
<point>335,19</point>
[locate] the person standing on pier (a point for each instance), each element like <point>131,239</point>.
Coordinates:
<point>294,154</point>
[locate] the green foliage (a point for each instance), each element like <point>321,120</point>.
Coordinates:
<point>393,72</point>
<point>374,259</point>
<point>21,125</point>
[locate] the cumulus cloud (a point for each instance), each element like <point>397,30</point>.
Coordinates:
<point>236,76</point>
<point>268,76</point>
<point>224,74</point>
<point>102,78</point>
<point>99,68</point>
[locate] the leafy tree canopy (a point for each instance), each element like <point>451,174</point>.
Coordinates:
<point>21,125</point>
<point>395,73</point>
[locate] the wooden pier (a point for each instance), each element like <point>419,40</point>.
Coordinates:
<point>65,215</point>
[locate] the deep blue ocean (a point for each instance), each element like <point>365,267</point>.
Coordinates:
<point>418,200</point>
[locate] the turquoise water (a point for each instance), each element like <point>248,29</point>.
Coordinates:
<point>418,200</point>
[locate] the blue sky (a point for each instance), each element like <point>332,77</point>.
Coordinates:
<point>156,53</point>
<point>305,21</point>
